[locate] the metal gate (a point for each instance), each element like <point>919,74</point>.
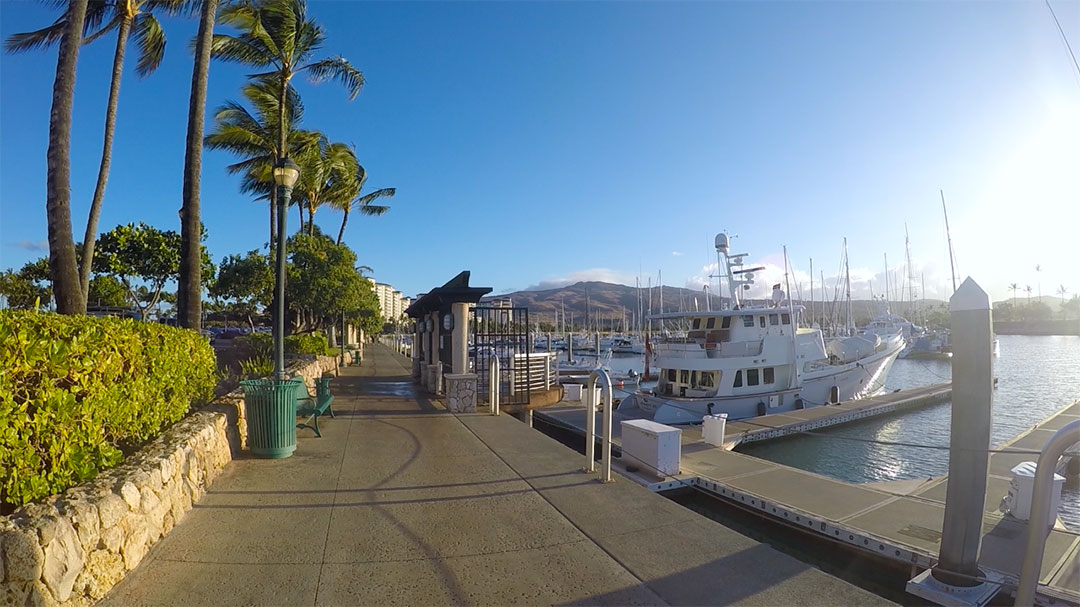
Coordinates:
<point>502,332</point>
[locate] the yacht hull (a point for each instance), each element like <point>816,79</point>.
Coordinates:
<point>829,385</point>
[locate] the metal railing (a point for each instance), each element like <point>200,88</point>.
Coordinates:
<point>699,349</point>
<point>590,424</point>
<point>1039,524</point>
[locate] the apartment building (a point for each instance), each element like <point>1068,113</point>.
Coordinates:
<point>391,301</point>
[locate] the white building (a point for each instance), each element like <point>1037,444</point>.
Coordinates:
<point>391,302</point>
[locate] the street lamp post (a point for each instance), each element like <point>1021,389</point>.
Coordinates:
<point>285,175</point>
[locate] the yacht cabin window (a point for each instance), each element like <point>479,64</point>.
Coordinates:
<point>738,379</point>
<point>726,324</point>
<point>748,321</point>
<point>785,319</point>
<point>707,379</point>
<point>684,376</point>
<point>774,319</point>
<point>671,375</point>
<point>761,321</point>
<point>751,377</point>
<point>697,323</point>
<point>711,323</point>
<point>767,375</point>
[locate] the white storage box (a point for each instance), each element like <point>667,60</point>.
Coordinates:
<point>1018,501</point>
<point>712,429</point>
<point>573,391</point>
<point>655,447</point>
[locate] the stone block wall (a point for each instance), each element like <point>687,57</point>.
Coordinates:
<point>72,548</point>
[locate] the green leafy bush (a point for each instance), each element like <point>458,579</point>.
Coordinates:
<point>259,366</point>
<point>77,391</point>
<point>312,343</point>
<point>258,345</point>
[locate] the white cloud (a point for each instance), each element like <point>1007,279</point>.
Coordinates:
<point>595,274</point>
<point>676,254</point>
<point>41,246</point>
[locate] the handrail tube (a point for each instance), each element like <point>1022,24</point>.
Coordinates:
<point>493,385</point>
<point>590,427</point>
<point>605,444</point>
<point>1039,524</point>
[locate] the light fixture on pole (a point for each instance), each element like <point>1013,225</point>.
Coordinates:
<point>286,172</point>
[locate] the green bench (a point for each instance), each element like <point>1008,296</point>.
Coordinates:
<point>313,406</point>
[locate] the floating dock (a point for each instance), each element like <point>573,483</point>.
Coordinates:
<point>900,521</point>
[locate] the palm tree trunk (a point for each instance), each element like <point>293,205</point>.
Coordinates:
<point>311,220</point>
<point>300,211</point>
<point>341,232</point>
<point>90,237</point>
<point>189,295</point>
<point>63,269</point>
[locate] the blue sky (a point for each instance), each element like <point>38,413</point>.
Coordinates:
<point>536,143</point>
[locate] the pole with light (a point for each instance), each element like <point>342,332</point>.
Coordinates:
<point>286,172</point>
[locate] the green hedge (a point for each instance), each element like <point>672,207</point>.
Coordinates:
<point>77,391</point>
<point>262,344</point>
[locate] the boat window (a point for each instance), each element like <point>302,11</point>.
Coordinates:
<point>774,319</point>
<point>726,324</point>
<point>684,377</point>
<point>671,374</point>
<point>767,376</point>
<point>707,379</point>
<point>738,379</point>
<point>751,377</point>
<point>785,319</point>
<point>697,323</point>
<point>711,323</point>
<point>693,378</point>
<point>761,321</point>
<point>747,321</point>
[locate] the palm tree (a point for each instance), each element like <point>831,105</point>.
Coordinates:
<point>1014,287</point>
<point>1027,289</point>
<point>326,171</point>
<point>1062,291</point>
<point>277,34</point>
<point>364,204</point>
<point>189,288</point>
<point>130,18</point>
<point>253,136</point>
<point>63,269</point>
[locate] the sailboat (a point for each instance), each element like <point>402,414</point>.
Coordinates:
<point>754,360</point>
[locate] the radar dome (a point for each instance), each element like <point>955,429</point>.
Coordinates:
<point>722,242</point>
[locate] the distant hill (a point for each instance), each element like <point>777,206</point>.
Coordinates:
<point>608,301</point>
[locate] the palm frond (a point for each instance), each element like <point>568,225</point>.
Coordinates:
<point>38,39</point>
<point>364,206</point>
<point>309,38</point>
<point>337,68</point>
<point>239,50</point>
<point>250,18</point>
<point>113,23</point>
<point>151,39</point>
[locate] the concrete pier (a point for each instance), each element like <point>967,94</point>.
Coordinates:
<point>402,502</point>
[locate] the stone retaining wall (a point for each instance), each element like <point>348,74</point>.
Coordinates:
<point>72,548</point>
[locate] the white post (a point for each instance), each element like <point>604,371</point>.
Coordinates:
<point>460,337</point>
<point>493,385</point>
<point>590,425</point>
<point>969,440</point>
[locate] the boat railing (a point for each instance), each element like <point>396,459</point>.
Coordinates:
<point>689,348</point>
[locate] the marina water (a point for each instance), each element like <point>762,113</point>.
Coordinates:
<point>1037,376</point>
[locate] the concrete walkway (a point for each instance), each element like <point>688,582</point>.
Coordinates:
<point>404,503</point>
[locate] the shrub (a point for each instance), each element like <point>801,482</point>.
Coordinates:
<point>312,343</point>
<point>258,366</point>
<point>258,345</point>
<point>76,391</point>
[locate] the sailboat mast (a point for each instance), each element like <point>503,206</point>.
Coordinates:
<point>811,292</point>
<point>886,282</point>
<point>847,288</point>
<point>952,263</point>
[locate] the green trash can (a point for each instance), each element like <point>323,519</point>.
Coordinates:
<point>271,417</point>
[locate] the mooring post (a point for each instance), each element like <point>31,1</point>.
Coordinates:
<point>969,436</point>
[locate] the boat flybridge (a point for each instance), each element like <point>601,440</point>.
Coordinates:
<point>753,360</point>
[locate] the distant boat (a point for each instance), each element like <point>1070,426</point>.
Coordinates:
<point>755,360</point>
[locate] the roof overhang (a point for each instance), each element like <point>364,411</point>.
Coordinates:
<point>456,290</point>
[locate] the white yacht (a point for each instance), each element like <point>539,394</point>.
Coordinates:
<point>755,360</point>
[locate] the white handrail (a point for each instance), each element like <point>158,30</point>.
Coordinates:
<point>1039,524</point>
<point>590,424</point>
<point>493,385</point>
